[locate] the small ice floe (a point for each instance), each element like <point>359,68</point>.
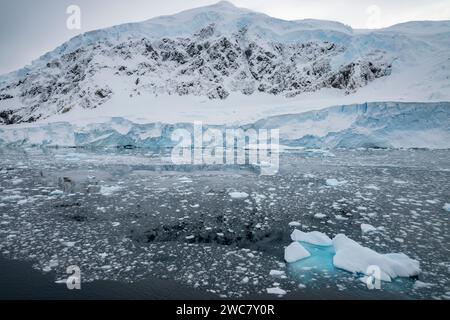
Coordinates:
<point>191,237</point>
<point>107,191</point>
<point>353,257</point>
<point>372,187</point>
<point>277,291</point>
<point>446,207</point>
<point>295,252</point>
<point>238,195</point>
<point>314,237</point>
<point>245,280</point>
<point>68,243</point>
<point>15,182</point>
<point>277,273</point>
<point>185,180</point>
<point>22,202</point>
<point>320,216</point>
<point>367,228</point>
<point>56,193</point>
<point>340,217</point>
<point>422,285</point>
<point>115,224</point>
<point>335,183</point>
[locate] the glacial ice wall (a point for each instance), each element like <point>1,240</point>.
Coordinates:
<point>369,125</point>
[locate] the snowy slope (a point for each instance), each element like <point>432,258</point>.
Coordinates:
<point>227,64</point>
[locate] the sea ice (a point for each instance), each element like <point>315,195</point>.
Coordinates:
<point>277,291</point>
<point>366,228</point>
<point>295,252</point>
<point>277,273</point>
<point>335,183</point>
<point>446,207</point>
<point>107,191</point>
<point>238,195</point>
<point>353,257</point>
<point>313,237</point>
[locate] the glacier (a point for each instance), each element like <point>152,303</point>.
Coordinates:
<point>368,125</point>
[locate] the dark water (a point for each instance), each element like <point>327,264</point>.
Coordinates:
<point>139,227</point>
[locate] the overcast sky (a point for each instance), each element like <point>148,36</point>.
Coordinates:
<point>29,28</point>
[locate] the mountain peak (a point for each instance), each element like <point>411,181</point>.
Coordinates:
<point>225,4</point>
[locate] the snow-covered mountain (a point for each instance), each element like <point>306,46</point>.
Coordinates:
<point>219,52</point>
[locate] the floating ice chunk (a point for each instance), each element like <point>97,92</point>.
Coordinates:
<point>238,195</point>
<point>21,202</point>
<point>446,207</point>
<point>107,191</point>
<point>115,224</point>
<point>277,273</point>
<point>15,182</point>
<point>295,224</point>
<point>277,291</point>
<point>319,215</point>
<point>422,285</point>
<point>335,183</point>
<point>366,228</point>
<point>313,237</point>
<point>353,257</point>
<point>245,280</point>
<point>185,180</point>
<point>68,243</point>
<point>56,193</point>
<point>295,252</point>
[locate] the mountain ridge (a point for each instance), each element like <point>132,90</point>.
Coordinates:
<point>218,51</point>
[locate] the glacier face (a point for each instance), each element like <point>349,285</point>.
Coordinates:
<point>220,50</point>
<point>369,125</point>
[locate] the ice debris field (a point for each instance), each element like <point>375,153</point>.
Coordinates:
<point>226,230</point>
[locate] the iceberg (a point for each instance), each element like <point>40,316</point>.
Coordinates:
<point>353,257</point>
